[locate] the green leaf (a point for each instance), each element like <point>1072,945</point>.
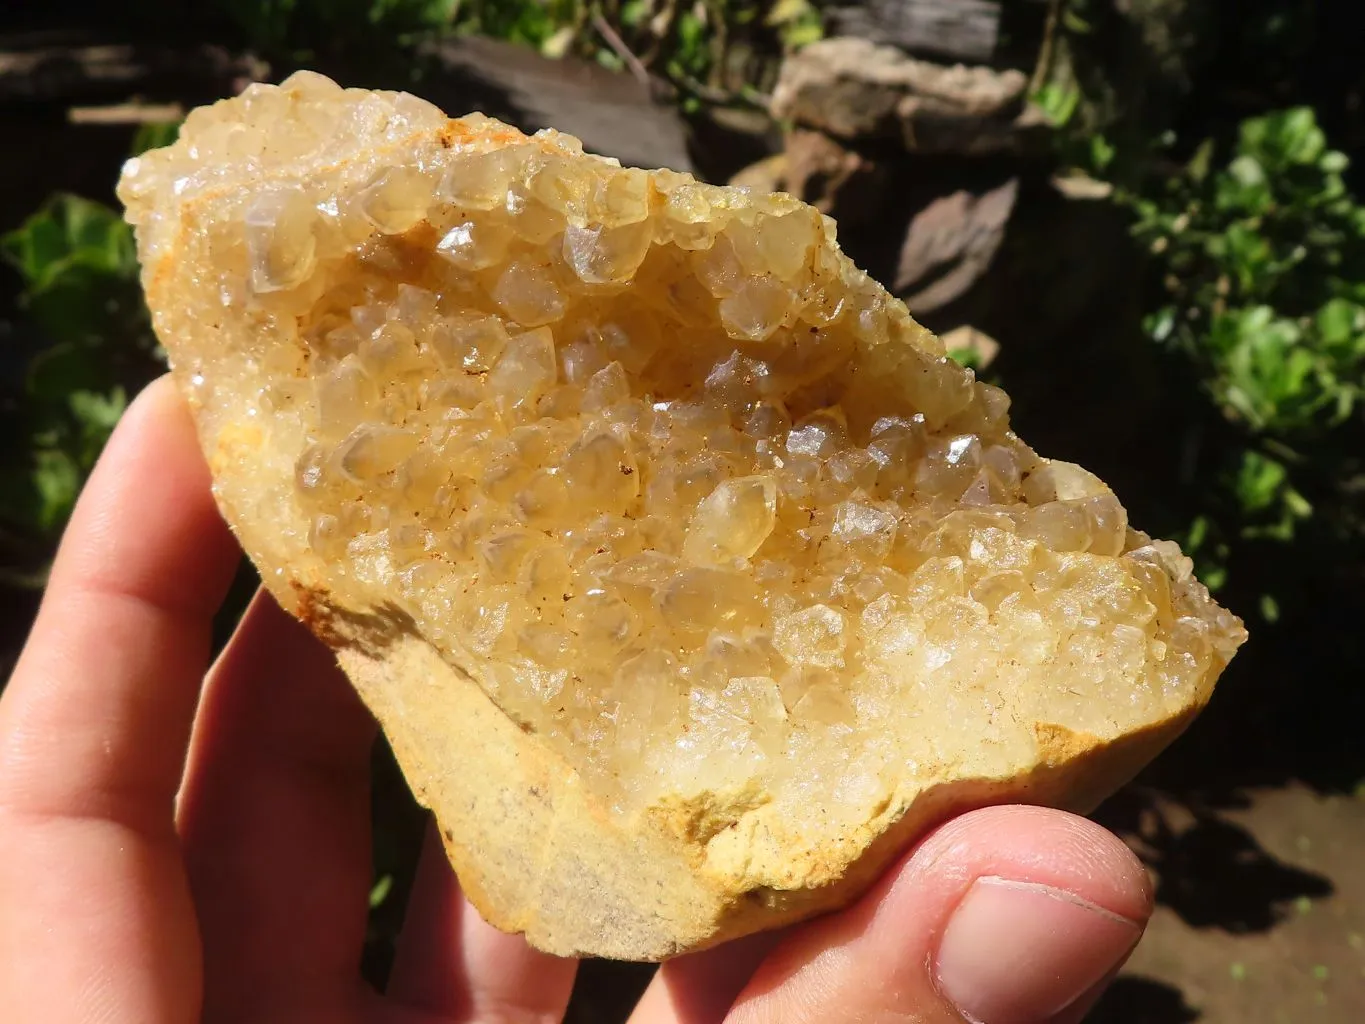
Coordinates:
<point>67,232</point>
<point>1159,325</point>
<point>1260,481</point>
<point>1213,576</point>
<point>557,44</point>
<point>79,265</point>
<point>1284,138</point>
<point>1197,170</point>
<point>1058,102</point>
<point>784,11</point>
<point>381,891</point>
<point>1297,505</point>
<point>609,60</point>
<point>1244,186</point>
<point>968,357</point>
<point>1073,22</point>
<point>1266,371</point>
<point>57,480</point>
<point>1270,608</point>
<point>1340,323</point>
<point>635,12</point>
<point>61,369</point>
<point>98,413</point>
<point>1199,531</point>
<point>1334,162</point>
<point>691,30</point>
<point>1248,252</point>
<point>803,33</point>
<point>1301,139</point>
<point>1102,152</point>
<point>154,136</point>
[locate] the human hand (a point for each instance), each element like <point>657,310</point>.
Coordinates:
<point>243,898</point>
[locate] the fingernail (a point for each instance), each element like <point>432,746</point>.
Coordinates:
<point>1020,952</point>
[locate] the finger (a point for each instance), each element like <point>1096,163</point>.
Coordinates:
<point>1007,915</point>
<point>274,818</point>
<point>451,962</point>
<point>97,921</point>
<point>703,986</point>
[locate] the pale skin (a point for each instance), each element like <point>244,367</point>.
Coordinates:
<point>182,843</point>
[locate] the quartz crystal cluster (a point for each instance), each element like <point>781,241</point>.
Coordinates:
<point>693,502</point>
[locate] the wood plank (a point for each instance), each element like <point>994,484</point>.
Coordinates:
<point>76,69</point>
<point>614,114</point>
<point>960,30</point>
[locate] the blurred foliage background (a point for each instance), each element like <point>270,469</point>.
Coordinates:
<point>1224,138</point>
<point>1250,234</point>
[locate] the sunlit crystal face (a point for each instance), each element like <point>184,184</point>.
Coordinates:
<point>689,496</point>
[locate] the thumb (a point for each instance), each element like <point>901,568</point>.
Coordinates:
<point>1007,915</point>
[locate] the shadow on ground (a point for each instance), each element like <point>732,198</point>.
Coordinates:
<point>1210,871</point>
<point>1135,1000</point>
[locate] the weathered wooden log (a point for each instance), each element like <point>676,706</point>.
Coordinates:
<point>854,89</point>
<point>961,30</point>
<point>614,114</point>
<point>75,69</point>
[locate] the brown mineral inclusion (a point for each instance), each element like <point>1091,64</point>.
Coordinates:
<point>687,576</point>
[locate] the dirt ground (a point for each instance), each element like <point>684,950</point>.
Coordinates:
<point>1261,917</point>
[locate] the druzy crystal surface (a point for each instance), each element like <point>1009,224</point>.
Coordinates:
<point>693,501</point>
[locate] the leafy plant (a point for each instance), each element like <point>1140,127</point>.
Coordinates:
<point>694,45</point>
<point>700,49</point>
<point>1260,285</point>
<point>88,345</point>
<point>547,25</point>
<point>1058,102</point>
<point>299,28</point>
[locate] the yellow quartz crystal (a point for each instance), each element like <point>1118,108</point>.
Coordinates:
<point>687,575</point>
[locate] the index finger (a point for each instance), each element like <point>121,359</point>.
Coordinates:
<point>93,731</point>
